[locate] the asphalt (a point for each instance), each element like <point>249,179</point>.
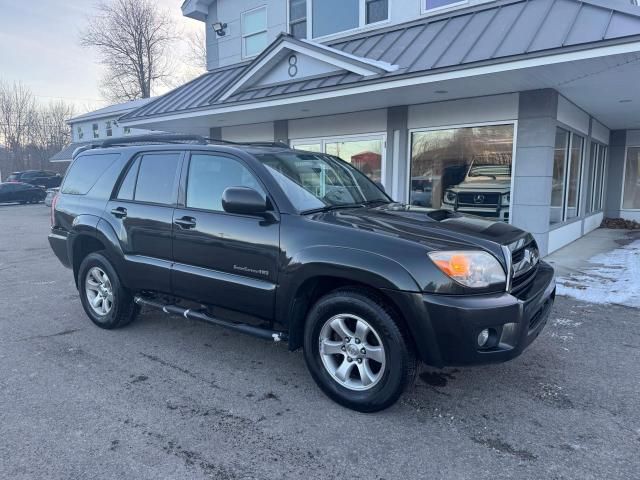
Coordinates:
<point>169,398</point>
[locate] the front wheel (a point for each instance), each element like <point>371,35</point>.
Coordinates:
<point>104,299</point>
<point>356,350</point>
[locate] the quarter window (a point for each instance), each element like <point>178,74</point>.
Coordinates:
<point>157,178</point>
<point>85,172</point>
<point>254,31</point>
<point>210,175</point>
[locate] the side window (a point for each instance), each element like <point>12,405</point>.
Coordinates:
<point>85,172</point>
<point>210,175</point>
<point>128,185</point>
<point>157,177</point>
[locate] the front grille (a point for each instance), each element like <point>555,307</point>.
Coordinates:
<point>524,263</point>
<point>478,198</point>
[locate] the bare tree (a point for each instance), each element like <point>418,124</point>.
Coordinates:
<point>196,56</point>
<point>132,37</point>
<point>16,114</point>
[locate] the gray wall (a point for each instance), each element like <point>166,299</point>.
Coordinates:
<point>534,163</point>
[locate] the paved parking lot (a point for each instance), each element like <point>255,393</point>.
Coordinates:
<point>170,398</point>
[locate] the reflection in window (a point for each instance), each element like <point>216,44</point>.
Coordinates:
<point>332,16</point>
<point>376,11</point>
<point>210,176</point>
<point>309,147</point>
<point>574,175</point>
<point>431,4</point>
<point>595,185</point>
<point>298,18</point>
<point>365,155</point>
<point>157,178</point>
<point>631,194</point>
<point>559,168</point>
<point>463,169</point>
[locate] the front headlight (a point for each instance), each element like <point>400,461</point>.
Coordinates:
<point>449,197</point>
<point>473,269</point>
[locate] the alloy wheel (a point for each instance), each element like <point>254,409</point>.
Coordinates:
<point>99,291</point>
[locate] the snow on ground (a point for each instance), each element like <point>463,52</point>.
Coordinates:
<point>611,277</point>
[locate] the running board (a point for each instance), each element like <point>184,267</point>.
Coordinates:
<point>173,309</point>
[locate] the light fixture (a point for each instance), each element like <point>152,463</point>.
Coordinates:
<point>219,28</point>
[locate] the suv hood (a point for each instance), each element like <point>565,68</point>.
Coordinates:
<point>435,229</point>
<point>483,184</point>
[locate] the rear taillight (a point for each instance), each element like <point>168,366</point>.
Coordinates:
<point>54,201</point>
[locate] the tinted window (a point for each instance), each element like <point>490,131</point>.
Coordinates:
<point>127,188</point>
<point>331,16</point>
<point>157,178</point>
<point>210,175</point>
<point>85,172</point>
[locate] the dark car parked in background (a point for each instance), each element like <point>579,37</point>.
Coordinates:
<point>41,178</point>
<point>287,244</point>
<point>21,193</point>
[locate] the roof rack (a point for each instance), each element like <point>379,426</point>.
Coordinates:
<point>169,138</point>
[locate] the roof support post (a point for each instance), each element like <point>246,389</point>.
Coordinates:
<point>281,131</point>
<point>397,154</point>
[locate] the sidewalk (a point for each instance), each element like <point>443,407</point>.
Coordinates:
<point>601,267</point>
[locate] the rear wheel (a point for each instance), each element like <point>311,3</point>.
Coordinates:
<point>34,199</point>
<point>356,350</point>
<point>107,303</point>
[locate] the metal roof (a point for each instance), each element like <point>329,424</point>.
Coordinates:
<point>488,33</point>
<point>66,154</point>
<point>111,110</point>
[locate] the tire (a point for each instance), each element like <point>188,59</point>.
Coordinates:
<point>376,377</point>
<point>117,308</point>
<point>34,199</point>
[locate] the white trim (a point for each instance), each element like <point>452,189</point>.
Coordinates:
<point>244,36</point>
<point>363,137</point>
<point>451,6</point>
<point>405,82</point>
<point>411,131</point>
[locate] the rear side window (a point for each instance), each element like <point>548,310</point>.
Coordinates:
<point>157,178</point>
<point>85,172</point>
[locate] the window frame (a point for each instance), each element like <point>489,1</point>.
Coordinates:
<point>184,184</point>
<point>95,128</point>
<point>596,203</point>
<point>108,128</point>
<point>129,165</point>
<point>244,35</point>
<point>514,158</point>
<point>362,25</point>
<point>79,132</point>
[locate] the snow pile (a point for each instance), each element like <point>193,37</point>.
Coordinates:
<point>613,277</point>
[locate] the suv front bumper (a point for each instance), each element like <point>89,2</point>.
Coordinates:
<point>446,327</point>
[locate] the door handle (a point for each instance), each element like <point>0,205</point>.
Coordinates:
<point>119,212</point>
<point>185,222</point>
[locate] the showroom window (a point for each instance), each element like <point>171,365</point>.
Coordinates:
<point>254,31</point>
<point>595,183</point>
<point>466,169</point>
<point>317,18</point>
<point>631,192</point>
<point>567,176</point>
<point>366,153</point>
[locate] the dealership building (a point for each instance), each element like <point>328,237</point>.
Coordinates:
<point>527,111</point>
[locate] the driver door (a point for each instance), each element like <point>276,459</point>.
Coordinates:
<point>223,259</point>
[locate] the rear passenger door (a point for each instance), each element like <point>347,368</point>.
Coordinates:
<point>142,215</point>
<point>223,259</point>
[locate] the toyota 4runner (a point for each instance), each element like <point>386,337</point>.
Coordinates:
<point>300,247</point>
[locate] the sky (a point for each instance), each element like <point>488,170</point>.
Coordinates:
<point>39,46</point>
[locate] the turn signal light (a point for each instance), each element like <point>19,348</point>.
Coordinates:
<point>475,269</point>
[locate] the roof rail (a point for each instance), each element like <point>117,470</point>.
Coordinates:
<point>153,138</point>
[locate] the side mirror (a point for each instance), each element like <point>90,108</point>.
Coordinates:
<point>244,201</point>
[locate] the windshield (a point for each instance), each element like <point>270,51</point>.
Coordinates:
<point>314,181</point>
<point>490,171</point>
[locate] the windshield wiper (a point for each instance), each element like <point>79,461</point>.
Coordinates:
<point>328,208</point>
